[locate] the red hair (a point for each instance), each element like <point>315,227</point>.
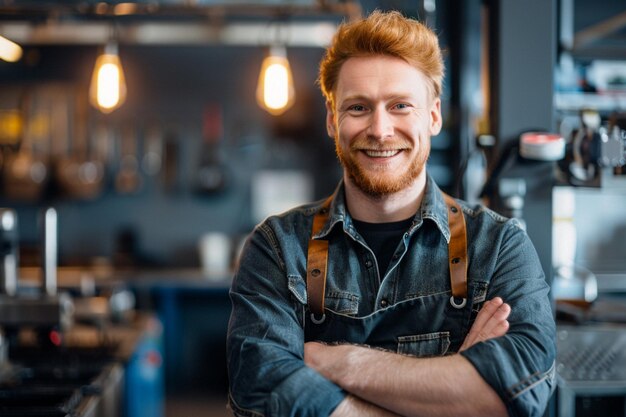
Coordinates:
<point>383,33</point>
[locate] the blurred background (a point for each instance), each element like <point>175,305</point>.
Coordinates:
<point>140,142</point>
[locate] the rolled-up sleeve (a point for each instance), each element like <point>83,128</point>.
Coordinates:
<point>265,343</point>
<point>520,365</point>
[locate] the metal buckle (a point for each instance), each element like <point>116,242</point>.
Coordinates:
<point>318,321</point>
<point>460,305</point>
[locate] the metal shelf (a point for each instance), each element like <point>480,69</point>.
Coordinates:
<point>606,102</point>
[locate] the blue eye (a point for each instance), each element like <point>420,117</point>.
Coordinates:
<point>401,106</point>
<point>357,107</point>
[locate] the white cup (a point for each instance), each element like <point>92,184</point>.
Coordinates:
<point>215,253</point>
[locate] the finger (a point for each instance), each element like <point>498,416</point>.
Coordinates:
<point>501,313</point>
<point>499,329</point>
<point>502,328</point>
<point>496,325</point>
<point>489,317</point>
<point>489,308</point>
<point>499,316</point>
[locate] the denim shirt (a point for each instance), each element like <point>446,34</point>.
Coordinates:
<point>407,311</point>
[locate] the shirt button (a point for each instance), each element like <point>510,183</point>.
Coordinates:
<point>395,257</point>
<point>383,303</point>
<point>368,263</point>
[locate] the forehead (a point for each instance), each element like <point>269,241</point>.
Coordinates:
<point>379,75</point>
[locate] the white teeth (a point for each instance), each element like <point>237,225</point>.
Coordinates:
<point>381,154</point>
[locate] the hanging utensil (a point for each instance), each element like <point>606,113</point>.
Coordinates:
<point>103,145</point>
<point>128,179</point>
<point>171,164</point>
<point>11,128</point>
<point>25,173</point>
<point>211,174</point>
<point>152,158</point>
<point>81,175</point>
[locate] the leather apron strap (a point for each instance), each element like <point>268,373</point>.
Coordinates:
<point>317,261</point>
<point>317,258</point>
<point>457,251</point>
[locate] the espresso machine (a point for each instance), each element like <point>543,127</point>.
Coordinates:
<point>587,181</point>
<point>590,266</point>
<point>40,374</point>
<point>45,310</point>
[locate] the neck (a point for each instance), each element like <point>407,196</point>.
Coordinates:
<point>388,208</point>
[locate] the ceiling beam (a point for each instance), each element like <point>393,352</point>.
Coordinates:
<point>301,34</point>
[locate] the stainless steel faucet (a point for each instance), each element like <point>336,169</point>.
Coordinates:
<point>49,255</point>
<point>9,251</point>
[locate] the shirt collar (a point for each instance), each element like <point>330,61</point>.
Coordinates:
<point>433,207</point>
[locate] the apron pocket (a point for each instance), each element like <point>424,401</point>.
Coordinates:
<point>342,302</point>
<point>424,345</point>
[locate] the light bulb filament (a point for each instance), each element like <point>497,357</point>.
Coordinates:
<point>108,87</point>
<point>275,91</point>
<point>276,86</point>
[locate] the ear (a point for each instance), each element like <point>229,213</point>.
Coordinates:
<point>330,120</point>
<point>435,117</point>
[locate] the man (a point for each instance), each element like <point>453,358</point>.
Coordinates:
<point>398,336</point>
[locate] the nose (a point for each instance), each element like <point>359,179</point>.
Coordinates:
<point>381,125</point>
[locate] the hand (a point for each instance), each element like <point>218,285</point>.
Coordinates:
<point>491,322</point>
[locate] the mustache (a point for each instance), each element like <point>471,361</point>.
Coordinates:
<point>374,145</point>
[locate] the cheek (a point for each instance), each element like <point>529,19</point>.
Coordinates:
<point>346,131</point>
<point>421,130</point>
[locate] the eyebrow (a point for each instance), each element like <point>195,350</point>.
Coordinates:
<point>386,97</point>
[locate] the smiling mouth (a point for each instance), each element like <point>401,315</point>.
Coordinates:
<point>381,154</point>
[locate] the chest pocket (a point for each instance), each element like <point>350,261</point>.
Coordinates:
<point>342,302</point>
<point>424,345</point>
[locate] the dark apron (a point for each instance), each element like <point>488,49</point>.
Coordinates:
<point>413,327</point>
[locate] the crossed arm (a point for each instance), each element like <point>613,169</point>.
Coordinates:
<point>384,384</point>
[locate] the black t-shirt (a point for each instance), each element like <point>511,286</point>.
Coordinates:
<point>383,238</point>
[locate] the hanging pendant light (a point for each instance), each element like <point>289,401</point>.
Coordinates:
<point>9,50</point>
<point>275,91</point>
<point>108,86</point>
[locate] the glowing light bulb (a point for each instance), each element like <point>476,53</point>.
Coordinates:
<point>108,86</point>
<point>275,91</point>
<point>9,50</point>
